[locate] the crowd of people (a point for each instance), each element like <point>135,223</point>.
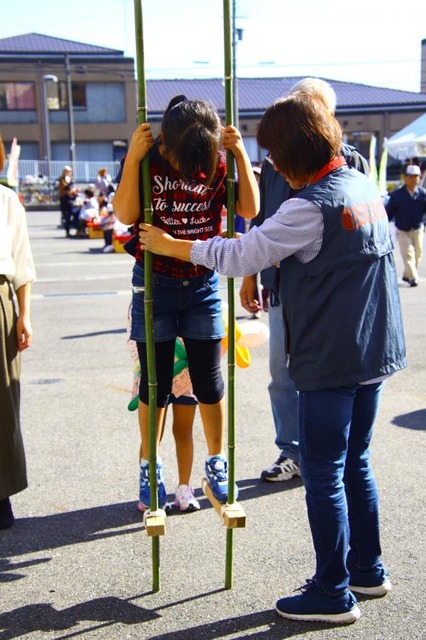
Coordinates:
<point>323,247</point>
<point>92,206</point>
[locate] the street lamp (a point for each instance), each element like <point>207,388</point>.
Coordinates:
<point>47,150</point>
<point>71,132</point>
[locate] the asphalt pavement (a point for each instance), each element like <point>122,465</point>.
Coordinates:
<point>78,562</point>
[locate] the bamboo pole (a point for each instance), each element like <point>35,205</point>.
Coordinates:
<point>231,299</point>
<point>149,321</point>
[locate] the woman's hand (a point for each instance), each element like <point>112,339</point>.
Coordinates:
<point>158,241</point>
<point>224,234</point>
<point>24,332</point>
<point>154,239</point>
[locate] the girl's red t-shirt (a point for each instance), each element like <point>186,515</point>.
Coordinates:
<point>185,208</point>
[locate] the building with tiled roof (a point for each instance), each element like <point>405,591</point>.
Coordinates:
<point>362,110</point>
<point>66,100</point>
<point>39,74</point>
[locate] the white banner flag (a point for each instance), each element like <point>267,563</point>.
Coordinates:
<point>12,169</point>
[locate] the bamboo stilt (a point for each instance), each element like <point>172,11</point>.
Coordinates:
<point>154,520</point>
<point>238,515</point>
<point>232,515</point>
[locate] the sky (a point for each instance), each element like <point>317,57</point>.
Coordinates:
<point>373,42</point>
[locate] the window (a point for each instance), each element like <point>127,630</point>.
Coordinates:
<point>79,95</point>
<point>58,98</point>
<point>17,96</point>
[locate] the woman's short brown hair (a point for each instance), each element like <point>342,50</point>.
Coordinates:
<point>300,134</point>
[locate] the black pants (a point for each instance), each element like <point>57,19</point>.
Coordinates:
<point>204,366</point>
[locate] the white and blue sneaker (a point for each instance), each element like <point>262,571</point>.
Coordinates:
<point>216,469</point>
<point>145,490</point>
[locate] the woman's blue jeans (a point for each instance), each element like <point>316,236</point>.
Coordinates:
<point>335,429</point>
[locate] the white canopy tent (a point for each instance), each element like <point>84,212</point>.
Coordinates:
<point>410,142</point>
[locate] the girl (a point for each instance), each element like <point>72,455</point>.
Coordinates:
<point>188,191</point>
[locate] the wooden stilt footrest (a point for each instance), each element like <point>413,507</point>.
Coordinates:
<point>155,522</point>
<point>232,515</point>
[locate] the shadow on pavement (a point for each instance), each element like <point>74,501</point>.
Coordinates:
<point>415,420</point>
<point>44,617</point>
<point>251,488</point>
<point>92,334</point>
<point>29,535</point>
<point>111,610</point>
<point>274,628</point>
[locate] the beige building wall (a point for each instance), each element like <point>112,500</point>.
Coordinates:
<point>105,72</point>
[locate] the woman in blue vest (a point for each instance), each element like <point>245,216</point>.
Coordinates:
<point>345,337</point>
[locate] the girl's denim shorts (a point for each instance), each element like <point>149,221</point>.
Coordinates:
<point>189,308</point>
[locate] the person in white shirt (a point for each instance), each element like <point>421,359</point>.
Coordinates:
<point>17,273</point>
<point>88,212</point>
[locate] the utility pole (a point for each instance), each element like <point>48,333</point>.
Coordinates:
<point>237,35</point>
<point>47,144</point>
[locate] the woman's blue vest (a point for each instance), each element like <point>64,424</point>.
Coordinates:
<point>342,308</point>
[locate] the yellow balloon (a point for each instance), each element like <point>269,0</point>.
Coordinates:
<point>242,354</point>
<point>242,357</point>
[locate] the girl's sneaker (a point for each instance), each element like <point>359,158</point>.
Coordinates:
<point>216,468</point>
<point>145,490</point>
<point>184,499</point>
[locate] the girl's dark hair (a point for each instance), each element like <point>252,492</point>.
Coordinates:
<point>192,135</point>
<point>300,134</point>
<point>175,101</point>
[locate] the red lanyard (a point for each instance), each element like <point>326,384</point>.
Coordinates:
<point>328,168</point>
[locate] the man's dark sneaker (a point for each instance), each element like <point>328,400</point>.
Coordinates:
<point>374,583</point>
<point>283,469</point>
<point>313,605</point>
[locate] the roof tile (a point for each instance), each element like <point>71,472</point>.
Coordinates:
<point>37,43</point>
